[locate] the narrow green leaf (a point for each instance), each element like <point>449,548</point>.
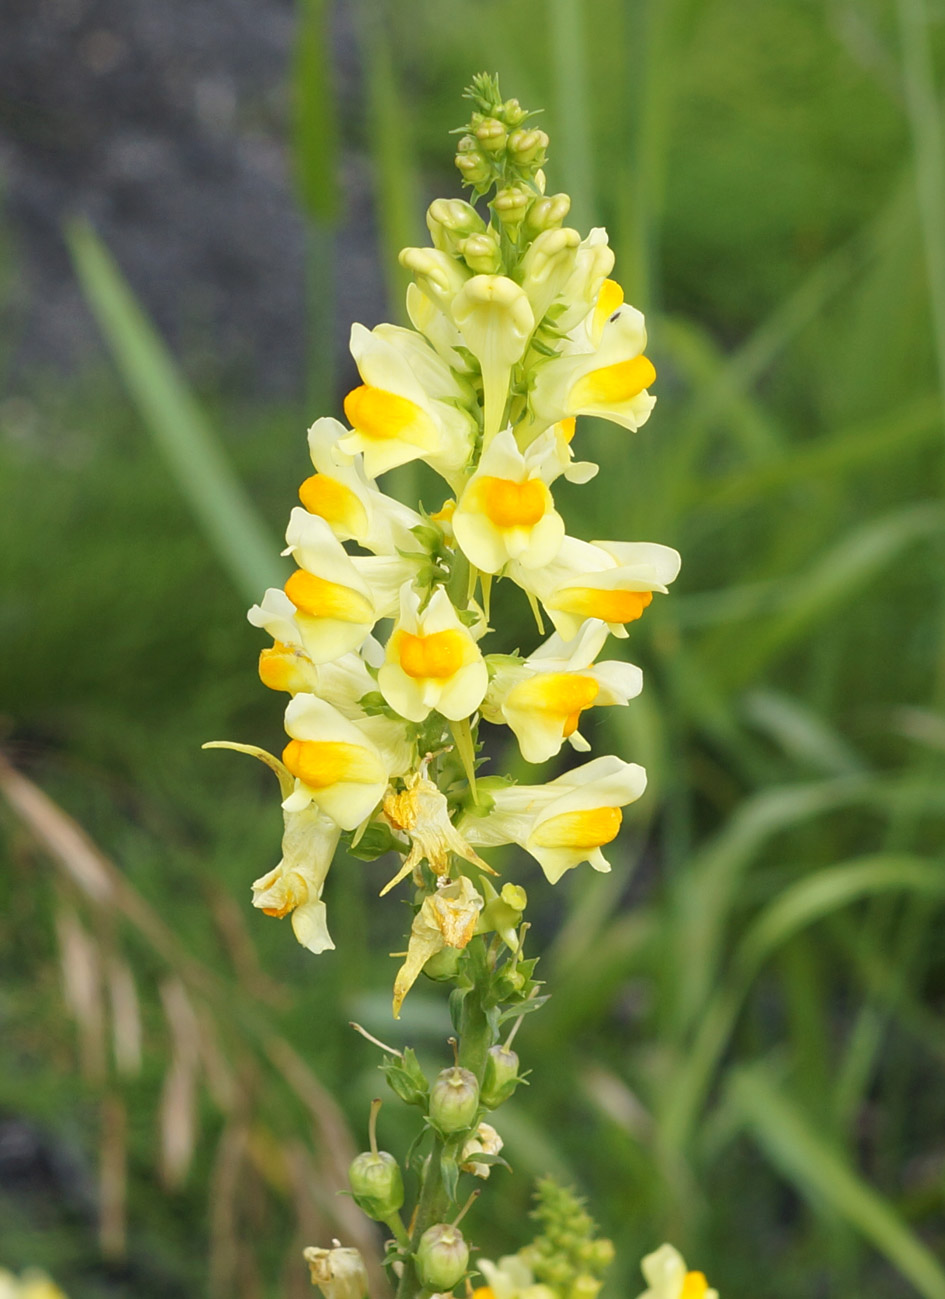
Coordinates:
<point>812,898</point>
<point>928,143</point>
<point>574,151</point>
<point>854,562</point>
<point>821,1174</point>
<point>204,475</point>
<point>825,891</point>
<point>390,138</point>
<point>315,118</point>
<point>878,439</point>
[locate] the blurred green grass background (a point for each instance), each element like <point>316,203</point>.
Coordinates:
<point>744,1050</point>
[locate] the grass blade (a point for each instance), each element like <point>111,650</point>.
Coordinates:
<point>204,475</point>
<point>573,139</point>
<point>315,148</point>
<point>821,1174</point>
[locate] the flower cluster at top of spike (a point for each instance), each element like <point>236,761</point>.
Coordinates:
<point>380,633</point>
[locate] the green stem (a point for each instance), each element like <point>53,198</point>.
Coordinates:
<point>395,1225</point>
<point>476,1037</point>
<point>431,1209</point>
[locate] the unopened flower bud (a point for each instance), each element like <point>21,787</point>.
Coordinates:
<point>509,981</point>
<point>527,147</point>
<point>510,205</point>
<point>338,1273</point>
<point>442,1257</point>
<point>491,135</point>
<point>547,213</point>
<point>473,167</point>
<point>481,253</point>
<point>454,1100</point>
<point>513,112</point>
<point>500,1077</point>
<point>584,1286</point>
<point>450,220</point>
<point>597,1254</point>
<point>376,1184</point>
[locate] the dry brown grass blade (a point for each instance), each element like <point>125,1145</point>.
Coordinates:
<point>62,836</point>
<point>224,1219</point>
<point>231,924</point>
<point>82,992</point>
<point>178,1114</point>
<point>112,1229</point>
<point>84,863</point>
<point>126,1017</point>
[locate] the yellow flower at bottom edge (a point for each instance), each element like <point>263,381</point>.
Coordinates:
<point>32,1284</point>
<point>668,1278</point>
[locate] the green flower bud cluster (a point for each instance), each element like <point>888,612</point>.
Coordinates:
<point>497,148</point>
<point>568,1255</point>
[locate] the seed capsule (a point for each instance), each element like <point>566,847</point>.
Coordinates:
<point>500,1077</point>
<point>454,1100</point>
<point>442,1257</point>
<point>376,1184</point>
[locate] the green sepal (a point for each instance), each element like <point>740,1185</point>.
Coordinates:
<point>457,997</point>
<point>375,705</point>
<point>406,1079</point>
<point>522,1008</point>
<point>450,1170</point>
<point>376,840</point>
<point>478,1158</point>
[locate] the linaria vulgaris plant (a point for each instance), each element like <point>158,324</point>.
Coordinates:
<point>382,640</point>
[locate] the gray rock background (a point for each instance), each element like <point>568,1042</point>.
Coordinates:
<point>165,123</point>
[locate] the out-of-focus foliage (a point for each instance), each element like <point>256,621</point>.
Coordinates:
<point>744,1050</point>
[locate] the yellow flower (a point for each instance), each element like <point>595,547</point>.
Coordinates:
<point>339,1273</point>
<point>335,765</point>
<point>667,1277</point>
<point>405,409</point>
<point>610,381</point>
<point>485,1141</point>
<point>333,606</point>
<point>547,267</point>
<point>422,813</point>
<point>607,580</point>
<point>447,918</point>
<point>341,493</point>
<point>295,885</point>
<point>32,1284</point>
<point>510,1278</point>
<point>542,698</point>
<point>432,661</point>
<point>581,293</point>
<point>506,511</point>
<point>565,822</point>
<point>496,321</point>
